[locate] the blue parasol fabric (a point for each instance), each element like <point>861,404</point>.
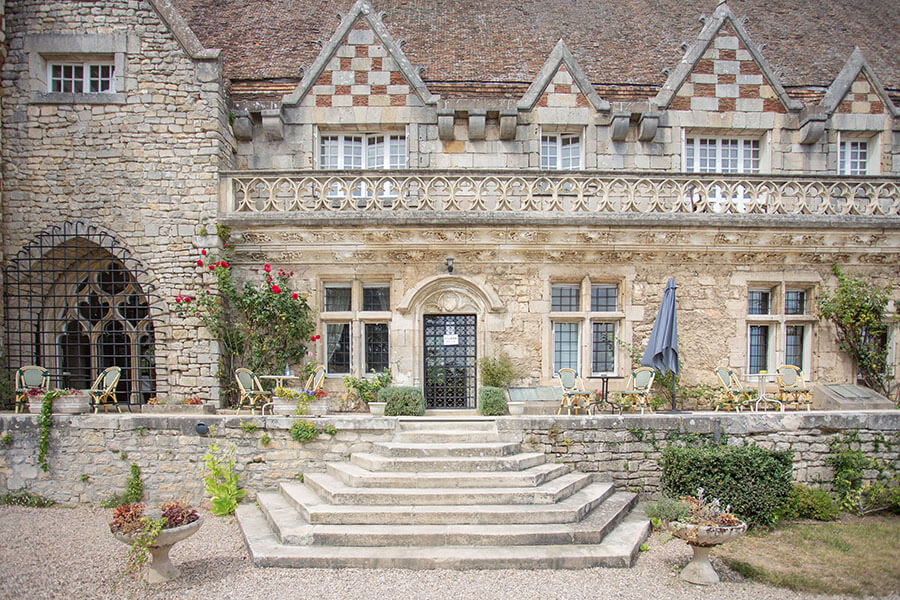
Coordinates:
<point>662,348</point>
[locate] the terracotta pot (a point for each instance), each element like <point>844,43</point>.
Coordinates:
<point>160,569</point>
<point>701,538</point>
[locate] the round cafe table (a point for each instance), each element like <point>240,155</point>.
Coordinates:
<point>762,378</point>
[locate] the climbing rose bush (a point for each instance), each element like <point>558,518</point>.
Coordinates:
<point>260,325</point>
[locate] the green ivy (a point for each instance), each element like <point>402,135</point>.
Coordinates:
<point>45,421</point>
<point>858,310</point>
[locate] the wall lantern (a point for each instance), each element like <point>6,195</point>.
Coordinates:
<point>449,262</point>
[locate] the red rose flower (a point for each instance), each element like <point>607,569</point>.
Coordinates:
<point>224,265</point>
<point>203,252</point>
<point>187,298</point>
<point>211,267</point>
<point>178,299</point>
<point>276,289</point>
<point>267,268</point>
<point>199,263</point>
<point>294,296</point>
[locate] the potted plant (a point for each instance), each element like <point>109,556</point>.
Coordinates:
<point>288,401</point>
<point>70,402</point>
<point>703,525</point>
<point>152,534</point>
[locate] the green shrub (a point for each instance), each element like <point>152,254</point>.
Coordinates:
<point>222,482</point>
<point>402,401</point>
<point>877,498</point>
<point>754,481</point>
<point>497,372</point>
<point>809,503</point>
<point>491,401</point>
<point>661,512</point>
<point>303,431</point>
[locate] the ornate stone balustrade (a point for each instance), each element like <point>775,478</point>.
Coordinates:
<point>543,193</point>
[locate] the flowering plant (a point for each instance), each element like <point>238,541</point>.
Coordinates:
<point>143,527</point>
<point>261,325</point>
<point>701,511</point>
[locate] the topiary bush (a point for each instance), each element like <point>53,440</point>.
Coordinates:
<point>754,481</point>
<point>402,401</point>
<point>491,401</point>
<point>809,503</point>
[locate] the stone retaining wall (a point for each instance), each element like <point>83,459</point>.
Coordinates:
<point>90,455</point>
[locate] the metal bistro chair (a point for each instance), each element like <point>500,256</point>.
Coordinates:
<point>251,389</point>
<point>103,390</point>
<point>28,378</point>
<point>734,394</point>
<point>573,394</point>
<point>791,387</point>
<point>641,380</point>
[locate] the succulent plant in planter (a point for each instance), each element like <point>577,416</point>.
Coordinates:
<point>702,525</point>
<point>151,534</point>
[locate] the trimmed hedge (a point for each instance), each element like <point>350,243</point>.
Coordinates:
<point>755,482</point>
<point>402,401</point>
<point>491,401</point>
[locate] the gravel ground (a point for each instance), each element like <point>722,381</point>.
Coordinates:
<point>69,553</point>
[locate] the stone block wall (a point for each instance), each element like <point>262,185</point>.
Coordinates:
<point>90,456</point>
<point>140,164</point>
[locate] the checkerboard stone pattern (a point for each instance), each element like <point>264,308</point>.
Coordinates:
<point>727,79</point>
<point>361,73</point>
<point>861,98</point>
<point>562,92</point>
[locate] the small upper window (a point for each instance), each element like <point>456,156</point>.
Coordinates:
<point>759,302</point>
<point>560,152</point>
<point>721,155</point>
<point>853,158</point>
<point>794,303</point>
<point>337,298</point>
<point>565,298</point>
<point>82,78</point>
<point>603,298</point>
<point>376,298</point>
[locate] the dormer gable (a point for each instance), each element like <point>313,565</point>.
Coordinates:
<point>561,82</point>
<point>362,65</point>
<point>857,90</point>
<point>724,70</point>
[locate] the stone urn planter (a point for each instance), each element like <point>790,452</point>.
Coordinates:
<point>73,404</point>
<point>516,408</point>
<point>701,538</point>
<point>160,569</point>
<point>377,408</point>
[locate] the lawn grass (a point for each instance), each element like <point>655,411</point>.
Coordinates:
<point>857,556</point>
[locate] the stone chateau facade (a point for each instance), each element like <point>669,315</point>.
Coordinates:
<point>528,191</point>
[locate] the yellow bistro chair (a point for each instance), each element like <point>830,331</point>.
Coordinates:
<point>573,394</point>
<point>251,389</point>
<point>638,395</point>
<point>734,394</point>
<point>103,390</point>
<point>791,387</point>
<point>28,378</point>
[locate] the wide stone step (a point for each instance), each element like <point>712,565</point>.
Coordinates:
<point>446,436</point>
<point>335,491</point>
<point>618,549</point>
<point>514,462</point>
<point>461,424</point>
<point>291,528</point>
<point>571,509</point>
<point>357,476</point>
<point>444,449</point>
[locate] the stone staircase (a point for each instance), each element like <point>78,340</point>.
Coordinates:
<point>448,494</point>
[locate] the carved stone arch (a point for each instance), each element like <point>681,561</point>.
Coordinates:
<point>451,294</point>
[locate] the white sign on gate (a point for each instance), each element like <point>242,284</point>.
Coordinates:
<point>451,339</point>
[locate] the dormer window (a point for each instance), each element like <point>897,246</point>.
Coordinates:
<point>362,151</point>
<point>721,155</point>
<point>853,157</point>
<point>560,152</point>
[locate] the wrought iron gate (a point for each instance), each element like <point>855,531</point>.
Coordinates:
<point>450,361</point>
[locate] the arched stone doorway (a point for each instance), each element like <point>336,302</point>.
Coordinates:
<point>73,304</point>
<point>446,321</point>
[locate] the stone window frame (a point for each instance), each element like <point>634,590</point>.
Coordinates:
<point>356,318</point>
<point>46,49</point>
<point>546,132</point>
<point>585,318</point>
<point>778,320</point>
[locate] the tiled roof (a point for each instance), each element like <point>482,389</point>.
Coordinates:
<point>506,42</point>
